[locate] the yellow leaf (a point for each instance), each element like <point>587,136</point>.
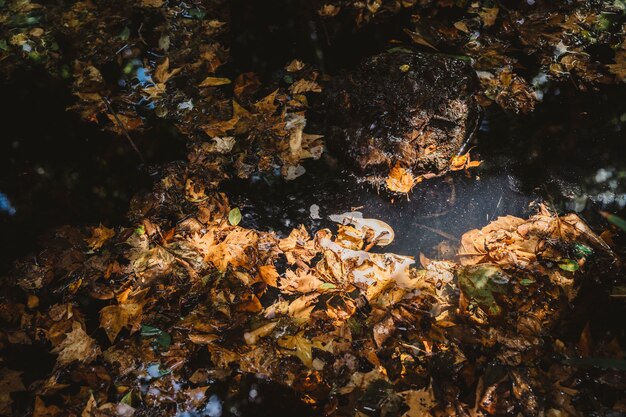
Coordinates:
<point>488,15</point>
<point>269,275</point>
<point>304,86</point>
<point>152,3</point>
<point>266,104</point>
<point>162,73</point>
<point>400,180</point>
<point>99,235</point>
<point>295,65</point>
<point>116,317</point>
<point>213,82</point>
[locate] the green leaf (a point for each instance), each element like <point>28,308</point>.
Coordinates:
<point>568,265</point>
<point>480,283</point>
<point>615,220</point>
<point>140,230</point>
<point>327,286</point>
<point>234,217</point>
<point>163,339</point>
<point>582,251</point>
<point>127,398</point>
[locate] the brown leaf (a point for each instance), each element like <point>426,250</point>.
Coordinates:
<point>214,82</point>
<point>99,235</point>
<point>77,346</point>
<point>162,73</point>
<point>294,66</point>
<point>269,275</point>
<point>10,381</point>
<point>304,86</point>
<point>114,318</point>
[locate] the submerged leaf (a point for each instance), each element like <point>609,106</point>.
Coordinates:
<point>568,265</point>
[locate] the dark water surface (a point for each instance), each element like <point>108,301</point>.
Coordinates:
<point>55,169</point>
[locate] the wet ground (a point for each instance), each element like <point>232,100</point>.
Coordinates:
<point>55,169</point>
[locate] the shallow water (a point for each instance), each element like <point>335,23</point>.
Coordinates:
<point>561,155</point>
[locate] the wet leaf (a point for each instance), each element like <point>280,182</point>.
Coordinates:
<point>214,82</point>
<point>400,180</point>
<point>114,318</point>
<point>568,265</point>
<point>481,283</point>
<point>77,346</point>
<point>162,338</point>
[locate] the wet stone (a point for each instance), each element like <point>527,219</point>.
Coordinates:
<point>402,108</point>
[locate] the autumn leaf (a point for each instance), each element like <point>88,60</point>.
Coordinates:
<point>162,73</point>
<point>266,104</point>
<point>43,410</point>
<point>420,402</point>
<point>305,86</point>
<point>329,10</point>
<point>400,180</point>
<point>301,347</point>
<point>419,39</point>
<point>152,3</point>
<point>126,314</point>
<point>464,161</point>
<point>214,82</point>
<point>488,15</point>
<point>221,127</point>
<point>99,235</point>
<point>294,66</point>
<point>246,83</point>
<point>269,275</point>
<point>77,346</point>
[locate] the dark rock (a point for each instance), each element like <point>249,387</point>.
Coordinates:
<point>412,109</point>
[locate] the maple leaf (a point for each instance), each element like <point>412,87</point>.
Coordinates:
<point>294,66</point>
<point>420,402</point>
<point>162,73</point>
<point>301,347</point>
<point>300,281</point>
<point>77,346</point>
<point>126,314</point>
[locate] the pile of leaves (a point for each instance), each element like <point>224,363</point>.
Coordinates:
<point>513,45</point>
<point>127,312</point>
<point>131,62</point>
<point>144,320</point>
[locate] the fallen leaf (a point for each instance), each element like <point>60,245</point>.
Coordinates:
<point>214,82</point>
<point>400,180</point>
<point>77,346</point>
<point>99,236</point>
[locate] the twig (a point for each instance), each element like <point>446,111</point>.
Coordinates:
<point>123,128</point>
